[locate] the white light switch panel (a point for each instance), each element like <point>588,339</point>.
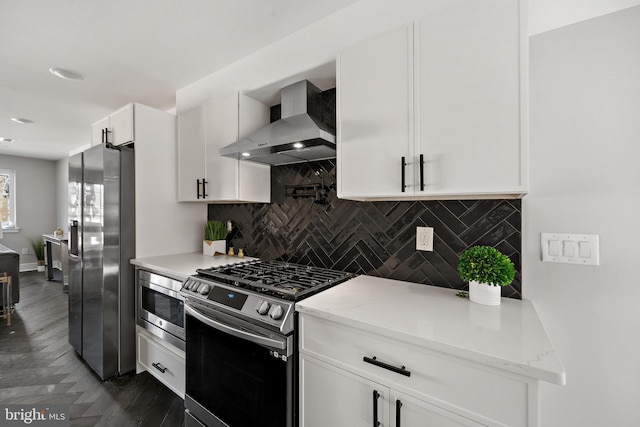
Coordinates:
<point>580,249</point>
<point>424,238</point>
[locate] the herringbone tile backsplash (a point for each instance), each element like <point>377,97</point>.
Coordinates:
<point>374,238</point>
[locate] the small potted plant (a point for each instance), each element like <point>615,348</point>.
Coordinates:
<point>215,235</point>
<point>487,270</point>
<point>38,250</point>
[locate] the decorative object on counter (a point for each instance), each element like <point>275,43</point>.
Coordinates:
<point>231,253</point>
<point>38,250</point>
<point>240,253</point>
<point>487,270</point>
<point>215,234</point>
<point>58,232</point>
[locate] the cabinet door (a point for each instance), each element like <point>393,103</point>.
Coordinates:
<point>121,125</point>
<point>469,88</point>
<point>221,128</point>
<point>330,396</point>
<point>254,179</point>
<point>191,154</point>
<point>96,131</point>
<point>407,411</point>
<point>375,115</point>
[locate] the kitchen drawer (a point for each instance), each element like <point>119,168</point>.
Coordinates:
<point>435,377</point>
<point>156,358</point>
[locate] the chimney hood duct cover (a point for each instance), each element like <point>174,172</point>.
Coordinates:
<point>299,136</point>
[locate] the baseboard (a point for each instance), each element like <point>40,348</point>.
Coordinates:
<point>28,266</point>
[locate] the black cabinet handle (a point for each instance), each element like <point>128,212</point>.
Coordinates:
<point>159,367</point>
<point>204,188</point>
<point>102,140</point>
<point>402,166</point>
<point>197,189</point>
<point>402,370</point>
<point>376,395</point>
<point>398,406</point>
<point>421,172</point>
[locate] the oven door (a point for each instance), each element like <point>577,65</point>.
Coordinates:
<point>161,311</point>
<point>237,375</point>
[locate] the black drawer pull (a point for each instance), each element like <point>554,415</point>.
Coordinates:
<point>402,370</point>
<point>159,367</point>
<point>398,407</point>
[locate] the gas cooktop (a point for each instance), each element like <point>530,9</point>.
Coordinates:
<point>280,279</point>
<point>262,293</point>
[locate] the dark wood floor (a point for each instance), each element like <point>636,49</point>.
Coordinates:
<point>37,365</point>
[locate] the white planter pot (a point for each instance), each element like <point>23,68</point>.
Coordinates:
<point>211,247</point>
<point>481,293</point>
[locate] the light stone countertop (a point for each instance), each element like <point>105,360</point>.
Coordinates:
<point>510,337</point>
<point>180,266</point>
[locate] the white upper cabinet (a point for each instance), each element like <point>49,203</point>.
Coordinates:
<point>375,111</point>
<point>447,93</point>
<point>117,129</point>
<point>203,174</point>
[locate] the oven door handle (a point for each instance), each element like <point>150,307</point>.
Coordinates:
<point>257,339</point>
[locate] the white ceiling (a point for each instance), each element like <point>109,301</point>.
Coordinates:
<point>127,51</point>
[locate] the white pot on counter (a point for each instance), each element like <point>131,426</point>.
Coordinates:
<point>211,247</point>
<point>482,293</point>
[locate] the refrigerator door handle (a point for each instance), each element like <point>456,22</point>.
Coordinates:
<point>73,238</point>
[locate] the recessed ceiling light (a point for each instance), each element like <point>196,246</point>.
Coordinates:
<point>65,74</point>
<point>298,145</point>
<point>21,120</point>
<point>3,139</point>
<point>245,154</point>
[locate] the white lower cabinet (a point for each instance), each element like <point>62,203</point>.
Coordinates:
<point>331,396</point>
<point>341,366</point>
<point>161,361</point>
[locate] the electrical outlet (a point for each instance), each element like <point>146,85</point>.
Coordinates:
<point>424,238</point>
<point>25,251</point>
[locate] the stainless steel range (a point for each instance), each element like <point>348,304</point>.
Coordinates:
<point>241,341</point>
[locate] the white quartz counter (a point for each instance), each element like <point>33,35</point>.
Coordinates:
<point>180,266</point>
<point>509,337</point>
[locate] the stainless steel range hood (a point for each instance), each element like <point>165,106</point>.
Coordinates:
<point>299,136</point>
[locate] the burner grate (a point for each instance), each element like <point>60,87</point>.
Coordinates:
<point>290,281</point>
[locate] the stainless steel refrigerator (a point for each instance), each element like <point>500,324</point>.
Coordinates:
<point>101,243</point>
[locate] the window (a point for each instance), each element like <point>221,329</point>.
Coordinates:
<point>8,199</point>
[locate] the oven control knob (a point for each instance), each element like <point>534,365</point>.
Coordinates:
<point>204,289</point>
<point>276,312</point>
<point>263,307</point>
<point>195,286</point>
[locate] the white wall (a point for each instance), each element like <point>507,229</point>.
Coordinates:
<point>585,148</point>
<point>545,15</point>
<point>36,203</point>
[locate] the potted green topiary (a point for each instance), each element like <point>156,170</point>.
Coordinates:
<point>487,270</point>
<point>215,235</point>
<point>38,250</point>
